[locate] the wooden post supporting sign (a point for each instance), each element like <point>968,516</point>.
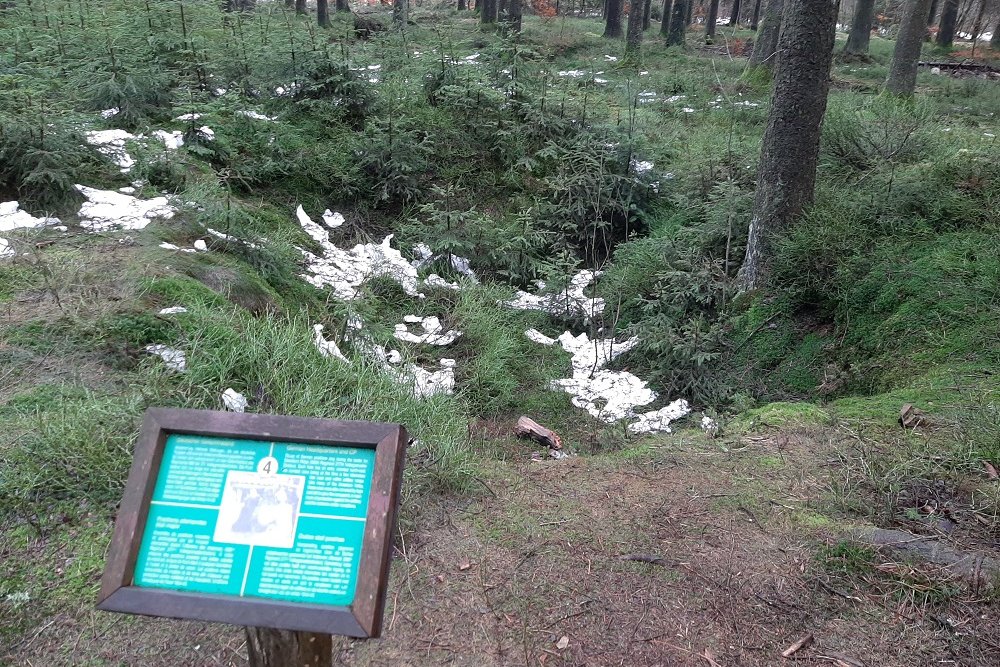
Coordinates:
<point>280,524</point>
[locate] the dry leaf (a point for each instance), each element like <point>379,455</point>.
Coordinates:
<point>562,643</point>
<point>991,472</point>
<point>464,564</point>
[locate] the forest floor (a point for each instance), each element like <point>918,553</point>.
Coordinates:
<point>752,552</point>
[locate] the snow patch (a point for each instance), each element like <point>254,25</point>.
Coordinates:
<point>105,209</point>
<point>327,348</point>
<point>570,301</point>
<point>173,310</point>
<point>434,333</point>
<point>174,359</point>
<point>659,421</point>
<point>12,217</point>
<point>111,144</point>
<point>253,115</point>
<point>234,400</point>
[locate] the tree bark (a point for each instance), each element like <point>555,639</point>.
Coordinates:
<point>678,23</point>
<point>665,17</point>
<point>633,39</point>
<point>949,19</point>
<point>713,18</point>
<point>300,6</point>
<point>995,39</point>
<point>342,5</point>
<point>514,16</point>
<point>689,14</point>
<point>861,28</point>
<point>755,21</point>
<point>789,152</point>
<point>268,647</point>
<point>766,46</point>
<point>613,24</point>
<point>488,12</point>
<point>647,7</point>
<point>398,13</point>
<point>461,5</point>
<point>323,13</point>
<point>906,54</point>
<point>734,16</point>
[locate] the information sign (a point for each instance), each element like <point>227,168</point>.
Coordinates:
<point>260,520</point>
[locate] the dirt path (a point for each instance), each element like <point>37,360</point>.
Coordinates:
<point>534,570</point>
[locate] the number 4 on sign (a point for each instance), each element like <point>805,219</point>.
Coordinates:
<point>268,466</point>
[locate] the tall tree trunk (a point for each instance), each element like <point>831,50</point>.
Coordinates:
<point>300,6</point>
<point>903,70</point>
<point>713,18</point>
<point>501,10</point>
<point>461,5</point>
<point>665,17</point>
<point>613,23</point>
<point>488,12</point>
<point>689,14</point>
<point>342,5</point>
<point>755,21</point>
<point>861,28</point>
<point>647,8</point>
<point>399,13</point>
<point>323,13</point>
<point>734,16</point>
<point>633,39</point>
<point>268,647</point>
<point>789,152</point>
<point>514,16</point>
<point>930,21</point>
<point>678,23</point>
<point>766,45</point>
<point>995,40</point>
<point>949,19</point>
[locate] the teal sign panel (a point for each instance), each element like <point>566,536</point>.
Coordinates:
<point>276,520</point>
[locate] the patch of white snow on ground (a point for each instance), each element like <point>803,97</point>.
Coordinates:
<point>111,143</point>
<point>570,300</point>
<point>12,217</point>
<point>173,310</point>
<point>234,400</point>
<point>433,334</point>
<point>172,140</point>
<point>174,359</point>
<point>327,348</point>
<point>189,116</point>
<point>106,210</point>
<point>608,395</point>
<point>428,383</point>
<point>5,249</point>
<point>253,115</point>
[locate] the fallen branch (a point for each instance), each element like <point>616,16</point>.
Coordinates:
<point>652,560</point>
<point>797,646</point>
<point>529,428</point>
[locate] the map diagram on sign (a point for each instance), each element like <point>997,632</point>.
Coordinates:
<point>259,509</point>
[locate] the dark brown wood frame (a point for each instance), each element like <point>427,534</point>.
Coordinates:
<point>363,618</point>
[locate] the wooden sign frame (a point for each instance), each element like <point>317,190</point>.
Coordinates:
<point>362,618</point>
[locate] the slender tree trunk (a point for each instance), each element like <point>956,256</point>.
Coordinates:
<point>766,45</point>
<point>861,28</point>
<point>755,21</point>
<point>789,152</point>
<point>633,39</point>
<point>689,15</point>
<point>665,17</point>
<point>461,5</point>
<point>613,23</point>
<point>928,35</point>
<point>514,16</point>
<point>342,5</point>
<point>995,40</point>
<point>268,647</point>
<point>678,23</point>
<point>501,10</point>
<point>903,70</point>
<point>300,6</point>
<point>647,8</point>
<point>946,28</point>
<point>713,18</point>
<point>323,13</point>
<point>734,16</point>
<point>399,13</point>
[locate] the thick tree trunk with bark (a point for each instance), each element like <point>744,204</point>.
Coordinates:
<point>461,5</point>
<point>713,18</point>
<point>647,7</point>
<point>861,28</point>
<point>514,16</point>
<point>905,56</point>
<point>949,19</point>
<point>633,38</point>
<point>488,11</point>
<point>665,17</point>
<point>300,6</point>
<point>755,21</point>
<point>789,153</point>
<point>323,13</point>
<point>766,46</point>
<point>734,16</point>
<point>995,40</point>
<point>268,647</point>
<point>689,15</point>
<point>613,23</point>
<point>343,6</point>
<point>678,23</point>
